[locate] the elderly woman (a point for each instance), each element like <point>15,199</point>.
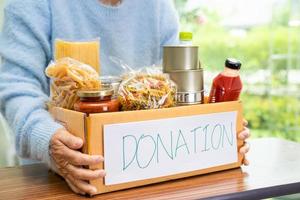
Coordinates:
<point>132,30</point>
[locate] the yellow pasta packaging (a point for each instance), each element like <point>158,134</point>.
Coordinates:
<point>67,77</point>
<point>87,52</point>
<point>148,89</point>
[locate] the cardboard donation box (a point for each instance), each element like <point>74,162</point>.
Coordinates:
<point>151,146</point>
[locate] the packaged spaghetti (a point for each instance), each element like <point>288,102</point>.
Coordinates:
<point>67,77</point>
<point>87,52</point>
<point>148,89</point>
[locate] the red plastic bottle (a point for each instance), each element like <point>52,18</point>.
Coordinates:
<point>227,86</point>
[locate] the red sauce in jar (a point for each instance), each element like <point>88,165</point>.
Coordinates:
<point>96,102</point>
<point>227,86</point>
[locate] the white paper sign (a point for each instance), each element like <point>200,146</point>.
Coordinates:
<point>149,149</point>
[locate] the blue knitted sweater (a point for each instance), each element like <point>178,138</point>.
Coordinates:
<point>134,32</point>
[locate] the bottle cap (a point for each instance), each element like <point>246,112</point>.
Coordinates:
<point>186,36</point>
<point>233,63</point>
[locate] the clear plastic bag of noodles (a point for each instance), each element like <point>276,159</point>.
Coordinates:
<point>67,77</point>
<point>148,88</point>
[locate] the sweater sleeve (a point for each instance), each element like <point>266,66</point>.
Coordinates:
<point>169,23</point>
<point>25,50</point>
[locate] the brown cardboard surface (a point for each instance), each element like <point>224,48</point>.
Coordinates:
<point>89,128</point>
<point>75,122</point>
<point>95,135</point>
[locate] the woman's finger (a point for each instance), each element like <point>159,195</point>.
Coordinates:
<point>78,158</point>
<point>245,122</point>
<point>74,188</point>
<point>245,148</point>
<point>69,140</point>
<point>85,174</point>
<point>243,135</point>
<point>83,185</point>
<point>246,161</point>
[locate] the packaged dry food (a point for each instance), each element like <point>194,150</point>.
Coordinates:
<point>147,90</point>
<point>67,77</point>
<point>87,52</point>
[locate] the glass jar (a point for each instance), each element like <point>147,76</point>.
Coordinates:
<point>111,81</point>
<point>96,101</point>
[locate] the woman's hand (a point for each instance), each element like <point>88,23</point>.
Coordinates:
<point>68,161</point>
<point>243,135</point>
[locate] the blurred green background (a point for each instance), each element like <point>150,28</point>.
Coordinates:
<point>265,36</point>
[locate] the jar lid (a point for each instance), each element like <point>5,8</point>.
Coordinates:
<point>96,93</point>
<point>110,79</point>
<point>186,36</point>
<point>233,63</point>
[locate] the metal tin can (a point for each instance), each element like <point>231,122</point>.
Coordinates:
<point>189,98</point>
<point>180,58</point>
<point>188,80</point>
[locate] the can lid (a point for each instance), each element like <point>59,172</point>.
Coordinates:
<point>96,93</point>
<point>186,36</point>
<point>233,63</point>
